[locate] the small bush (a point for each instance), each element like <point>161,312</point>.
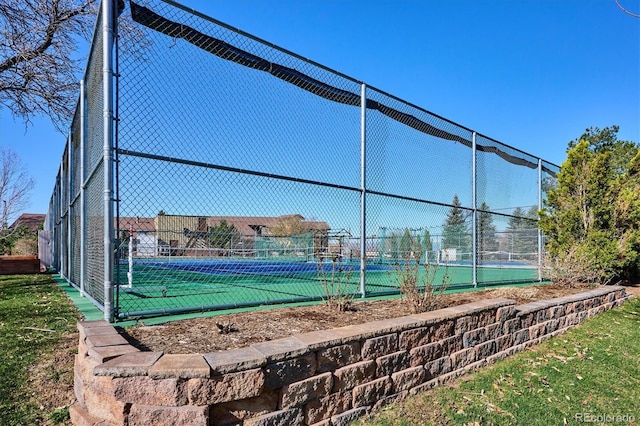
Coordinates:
<point>577,265</point>
<point>25,247</point>
<point>335,284</point>
<point>417,280</point>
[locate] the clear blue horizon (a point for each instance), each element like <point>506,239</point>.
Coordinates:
<point>533,74</point>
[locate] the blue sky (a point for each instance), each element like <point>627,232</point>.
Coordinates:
<point>530,73</point>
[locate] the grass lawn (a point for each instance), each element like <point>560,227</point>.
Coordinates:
<point>37,343</point>
<point>591,374</point>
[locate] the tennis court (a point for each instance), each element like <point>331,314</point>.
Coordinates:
<point>172,285</point>
<point>187,204</point>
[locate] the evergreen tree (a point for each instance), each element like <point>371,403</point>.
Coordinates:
<point>417,247</point>
<point>427,245</point>
<point>606,140</point>
<point>486,239</point>
<point>523,231</point>
<point>591,217</point>
<point>405,244</point>
<point>393,246</point>
<point>513,229</point>
<point>455,233</point>
<point>626,217</point>
<point>221,235</point>
<point>529,232</point>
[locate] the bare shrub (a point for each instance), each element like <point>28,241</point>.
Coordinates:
<point>25,247</point>
<point>574,267</point>
<point>335,284</point>
<point>417,280</point>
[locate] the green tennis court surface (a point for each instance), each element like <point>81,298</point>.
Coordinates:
<point>161,286</point>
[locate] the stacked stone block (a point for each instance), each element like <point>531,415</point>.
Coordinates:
<point>327,377</point>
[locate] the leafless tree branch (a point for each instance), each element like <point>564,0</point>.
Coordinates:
<point>39,64</point>
<point>15,186</point>
<point>38,40</point>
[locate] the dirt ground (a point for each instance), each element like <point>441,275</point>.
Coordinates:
<point>203,335</point>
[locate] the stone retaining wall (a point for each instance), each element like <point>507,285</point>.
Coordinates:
<point>327,377</point>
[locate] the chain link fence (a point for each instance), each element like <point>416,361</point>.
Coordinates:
<point>246,175</point>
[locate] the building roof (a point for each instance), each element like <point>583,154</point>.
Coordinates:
<point>137,224</point>
<point>246,225</point>
<point>33,221</point>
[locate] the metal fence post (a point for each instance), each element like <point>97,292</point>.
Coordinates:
<point>69,219</point>
<point>107,87</point>
<point>540,247</point>
<point>474,217</point>
<point>61,220</point>
<point>82,106</point>
<point>363,188</point>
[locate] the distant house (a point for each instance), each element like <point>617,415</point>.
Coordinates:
<point>286,235</point>
<point>137,224</point>
<point>190,235</point>
<point>284,225</point>
<point>143,230</point>
<point>33,221</point>
<point>147,245</point>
